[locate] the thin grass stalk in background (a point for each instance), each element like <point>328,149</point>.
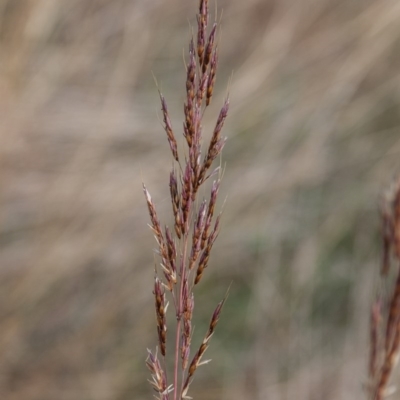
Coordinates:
<point>185,252</point>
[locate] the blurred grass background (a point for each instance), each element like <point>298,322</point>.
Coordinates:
<point>313,140</point>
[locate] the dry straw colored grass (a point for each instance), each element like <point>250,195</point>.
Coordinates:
<point>313,141</point>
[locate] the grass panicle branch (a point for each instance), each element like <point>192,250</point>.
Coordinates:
<point>385,327</point>
<point>196,361</point>
<point>185,251</point>
<point>159,380</point>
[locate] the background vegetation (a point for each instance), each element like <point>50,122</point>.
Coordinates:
<point>313,140</point>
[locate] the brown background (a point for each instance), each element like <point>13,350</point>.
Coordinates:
<point>313,140</point>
